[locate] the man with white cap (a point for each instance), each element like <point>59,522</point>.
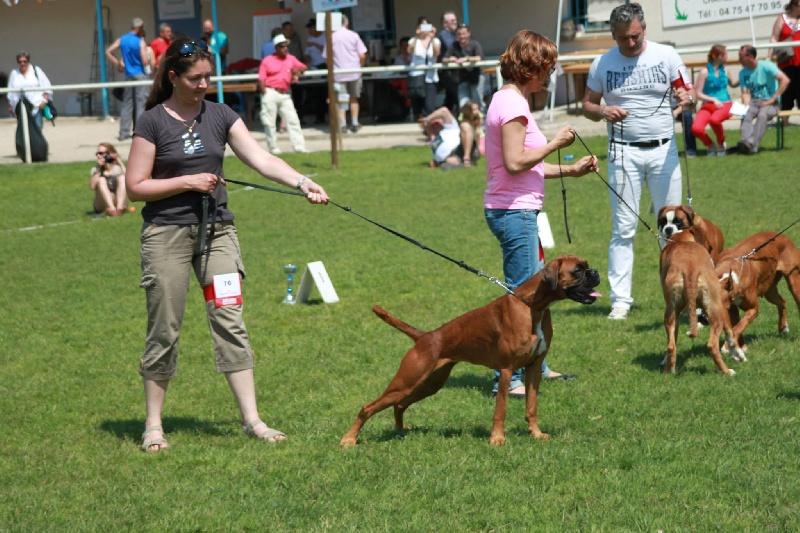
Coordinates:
<point>134,60</point>
<point>275,76</point>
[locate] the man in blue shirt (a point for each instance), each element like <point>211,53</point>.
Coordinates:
<point>134,60</point>
<point>762,83</point>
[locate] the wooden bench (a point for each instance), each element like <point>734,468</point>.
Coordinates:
<point>779,133</point>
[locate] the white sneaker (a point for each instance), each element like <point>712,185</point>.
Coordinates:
<point>303,151</point>
<point>713,149</point>
<point>276,151</point>
<point>618,313</point>
<point>722,150</point>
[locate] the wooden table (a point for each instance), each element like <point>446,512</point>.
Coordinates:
<point>250,90</point>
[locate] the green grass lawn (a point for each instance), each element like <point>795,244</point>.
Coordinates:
<point>630,449</point>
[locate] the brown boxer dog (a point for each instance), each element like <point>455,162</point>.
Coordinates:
<point>688,281</point>
<point>743,281</point>
<point>673,219</point>
<point>511,332</point>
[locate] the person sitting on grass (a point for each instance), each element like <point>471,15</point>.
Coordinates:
<point>107,180</point>
<point>453,144</point>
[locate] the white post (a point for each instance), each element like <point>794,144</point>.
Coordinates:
<point>752,28</point>
<point>558,44</point>
<point>26,131</point>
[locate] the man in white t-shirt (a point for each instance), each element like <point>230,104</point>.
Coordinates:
<point>635,80</point>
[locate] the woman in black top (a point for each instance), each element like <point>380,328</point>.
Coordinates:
<point>175,166</point>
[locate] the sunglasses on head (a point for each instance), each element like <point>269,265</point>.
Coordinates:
<point>189,49</point>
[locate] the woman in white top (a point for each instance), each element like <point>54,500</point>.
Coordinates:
<point>424,48</point>
<point>27,76</point>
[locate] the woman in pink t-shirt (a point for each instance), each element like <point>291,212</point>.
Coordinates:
<point>515,167</point>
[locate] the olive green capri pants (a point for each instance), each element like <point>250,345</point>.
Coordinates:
<point>169,254</point>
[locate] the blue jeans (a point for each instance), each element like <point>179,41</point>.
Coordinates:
<point>518,233</point>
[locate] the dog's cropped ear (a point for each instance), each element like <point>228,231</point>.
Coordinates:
<point>689,214</point>
<point>551,271</point>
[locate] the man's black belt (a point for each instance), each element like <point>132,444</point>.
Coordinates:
<point>645,144</point>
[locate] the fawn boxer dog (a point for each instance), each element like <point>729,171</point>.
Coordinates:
<point>511,332</point>
<point>673,219</point>
<point>744,280</point>
<point>689,282</point>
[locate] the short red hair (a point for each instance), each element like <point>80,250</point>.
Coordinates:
<point>527,55</point>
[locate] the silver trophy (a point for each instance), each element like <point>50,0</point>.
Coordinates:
<point>290,270</point>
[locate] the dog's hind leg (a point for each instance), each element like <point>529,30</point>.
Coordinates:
<point>774,297</point>
<point>716,327</point>
<point>793,280</point>
<point>413,372</point>
<point>671,327</point>
<point>429,387</point>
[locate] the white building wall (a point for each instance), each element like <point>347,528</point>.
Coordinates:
<point>59,34</point>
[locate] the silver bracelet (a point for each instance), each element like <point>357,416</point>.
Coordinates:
<point>299,185</point>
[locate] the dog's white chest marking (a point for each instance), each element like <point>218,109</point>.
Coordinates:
<point>540,346</point>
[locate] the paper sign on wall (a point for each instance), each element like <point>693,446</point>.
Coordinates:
<point>315,274</point>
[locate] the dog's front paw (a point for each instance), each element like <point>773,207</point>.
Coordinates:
<point>497,440</point>
<point>539,435</point>
<point>347,442</point>
<point>730,372</point>
<point>785,330</point>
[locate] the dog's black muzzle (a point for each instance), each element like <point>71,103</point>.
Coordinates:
<point>584,292</point>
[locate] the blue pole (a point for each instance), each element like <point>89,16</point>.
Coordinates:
<point>465,3</point>
<point>101,51</point>
<point>217,60</point>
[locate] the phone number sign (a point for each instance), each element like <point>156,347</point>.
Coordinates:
<point>687,12</point>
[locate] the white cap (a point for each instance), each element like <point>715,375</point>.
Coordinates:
<point>279,39</point>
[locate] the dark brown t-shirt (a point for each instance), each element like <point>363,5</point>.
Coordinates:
<point>180,152</point>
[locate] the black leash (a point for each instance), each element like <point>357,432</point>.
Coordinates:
<point>564,195</point>
<point>760,246</point>
<point>612,188</point>
<point>686,159</point>
<point>462,264</point>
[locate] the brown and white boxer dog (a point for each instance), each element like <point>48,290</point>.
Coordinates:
<point>689,282</point>
<point>744,281</point>
<point>509,333</point>
<point>673,219</point>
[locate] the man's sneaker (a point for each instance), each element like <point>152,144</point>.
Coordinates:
<point>713,149</point>
<point>722,150</point>
<point>355,127</point>
<point>618,313</point>
<point>276,151</point>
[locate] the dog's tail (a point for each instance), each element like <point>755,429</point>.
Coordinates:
<point>691,303</point>
<point>408,329</point>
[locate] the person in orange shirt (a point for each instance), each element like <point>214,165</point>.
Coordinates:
<point>162,42</point>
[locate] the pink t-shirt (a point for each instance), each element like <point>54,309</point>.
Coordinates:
<point>503,191</point>
<point>277,73</point>
<point>347,51</point>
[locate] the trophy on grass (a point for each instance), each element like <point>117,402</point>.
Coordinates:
<point>290,270</point>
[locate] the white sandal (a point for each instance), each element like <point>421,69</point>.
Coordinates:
<point>270,435</point>
<point>160,441</point>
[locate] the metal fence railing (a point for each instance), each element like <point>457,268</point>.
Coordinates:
<point>390,69</point>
